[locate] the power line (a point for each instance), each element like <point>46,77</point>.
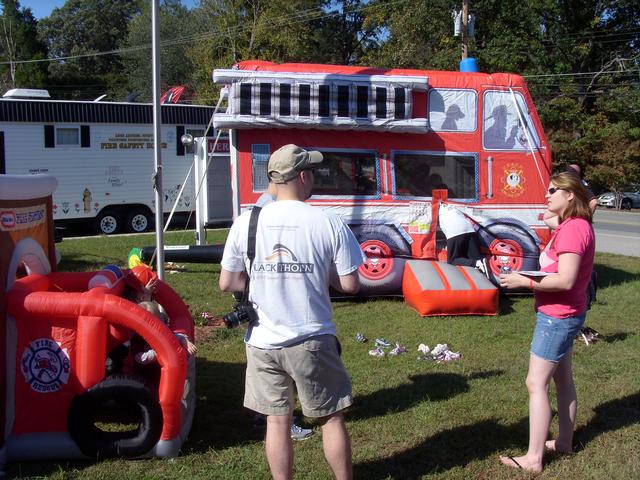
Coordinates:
<point>298,17</point>
<point>577,74</point>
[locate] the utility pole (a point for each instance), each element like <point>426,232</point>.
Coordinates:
<point>465,25</point>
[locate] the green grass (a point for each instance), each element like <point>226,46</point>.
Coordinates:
<point>411,419</point>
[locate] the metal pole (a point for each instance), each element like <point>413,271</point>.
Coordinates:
<point>465,26</point>
<point>157,136</point>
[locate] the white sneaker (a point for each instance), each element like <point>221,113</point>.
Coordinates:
<point>482,266</point>
<point>299,433</point>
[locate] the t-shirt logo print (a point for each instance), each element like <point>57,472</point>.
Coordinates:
<point>283,260</point>
<point>279,251</point>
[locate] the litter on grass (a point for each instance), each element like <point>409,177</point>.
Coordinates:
<point>588,335</point>
<point>398,349</point>
<point>377,352</point>
<point>439,354</point>
<point>174,267</point>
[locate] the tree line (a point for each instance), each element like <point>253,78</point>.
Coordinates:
<point>580,59</point>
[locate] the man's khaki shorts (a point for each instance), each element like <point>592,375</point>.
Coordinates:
<point>313,366</point>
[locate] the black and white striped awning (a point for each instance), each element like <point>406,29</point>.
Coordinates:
<point>259,99</point>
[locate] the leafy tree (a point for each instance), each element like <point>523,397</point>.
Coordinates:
<point>175,33</point>
<point>344,35</point>
<point>86,30</point>
<point>18,41</point>
<point>235,30</point>
<point>419,34</point>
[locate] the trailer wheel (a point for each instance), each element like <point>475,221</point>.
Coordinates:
<point>139,220</point>
<point>509,244</point>
<point>107,222</point>
<point>119,394</point>
<point>381,274</point>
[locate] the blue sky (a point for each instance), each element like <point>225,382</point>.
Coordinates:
<point>42,8</point>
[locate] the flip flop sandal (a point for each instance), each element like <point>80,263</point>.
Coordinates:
<point>515,462</point>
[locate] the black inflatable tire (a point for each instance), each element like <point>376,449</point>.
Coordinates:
<point>125,391</point>
<point>391,282</point>
<point>511,231</point>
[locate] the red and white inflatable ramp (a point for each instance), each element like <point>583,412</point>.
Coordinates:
<point>437,288</point>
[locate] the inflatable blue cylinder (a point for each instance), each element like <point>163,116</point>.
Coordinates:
<point>469,65</point>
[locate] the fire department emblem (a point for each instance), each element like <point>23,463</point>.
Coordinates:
<point>45,365</point>
<point>513,180</point>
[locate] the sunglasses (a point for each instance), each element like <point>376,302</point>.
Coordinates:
<point>553,190</point>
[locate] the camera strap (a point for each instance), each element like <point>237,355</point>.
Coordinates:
<point>251,245</point>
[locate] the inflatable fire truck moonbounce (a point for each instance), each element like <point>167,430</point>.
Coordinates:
<point>59,331</point>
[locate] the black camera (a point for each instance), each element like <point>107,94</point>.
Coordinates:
<point>242,312</point>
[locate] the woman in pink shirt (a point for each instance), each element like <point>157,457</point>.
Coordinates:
<point>561,305</point>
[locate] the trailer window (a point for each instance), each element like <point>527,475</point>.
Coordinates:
<point>418,174</point>
<point>502,118</point>
<point>452,110</point>
<point>67,136</point>
<point>347,173</point>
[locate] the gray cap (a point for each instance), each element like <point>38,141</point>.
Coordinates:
<point>287,161</point>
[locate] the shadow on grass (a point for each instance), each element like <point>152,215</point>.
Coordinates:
<point>611,415</point>
<point>505,305</point>
<point>459,446</point>
<point>432,387</point>
<point>616,337</point>
<point>610,276</point>
<point>445,450</point>
<point>220,421</point>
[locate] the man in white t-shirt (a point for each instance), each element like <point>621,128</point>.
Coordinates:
<point>299,251</point>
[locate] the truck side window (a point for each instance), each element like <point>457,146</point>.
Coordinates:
<point>352,173</point>
<point>259,160</point>
<point>502,125</point>
<point>453,110</point>
<point>418,174</point>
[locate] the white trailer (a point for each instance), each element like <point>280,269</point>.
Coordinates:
<point>102,156</point>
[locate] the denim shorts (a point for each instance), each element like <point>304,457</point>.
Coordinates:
<point>553,337</point>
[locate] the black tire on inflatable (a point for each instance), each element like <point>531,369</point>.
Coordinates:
<point>385,276</point>
<point>121,391</point>
<point>511,234</point>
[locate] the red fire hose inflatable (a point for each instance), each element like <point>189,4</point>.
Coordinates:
<point>62,333</point>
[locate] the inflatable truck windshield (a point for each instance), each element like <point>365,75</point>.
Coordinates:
<point>398,144</point>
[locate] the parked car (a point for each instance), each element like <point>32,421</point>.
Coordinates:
<point>630,199</point>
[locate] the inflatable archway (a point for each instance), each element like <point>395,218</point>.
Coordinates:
<point>58,333</point>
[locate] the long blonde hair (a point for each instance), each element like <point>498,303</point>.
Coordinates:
<point>579,207</point>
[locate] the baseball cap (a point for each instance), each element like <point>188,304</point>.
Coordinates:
<point>286,162</point>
